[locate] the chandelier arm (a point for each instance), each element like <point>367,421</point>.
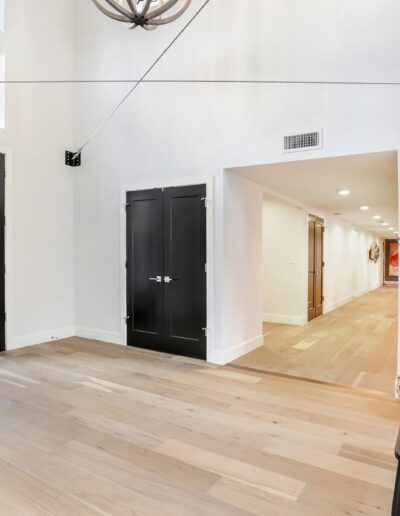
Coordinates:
<point>161,10</point>
<point>149,27</point>
<point>110,14</point>
<point>146,7</point>
<point>172,18</point>
<point>120,9</point>
<point>132,7</point>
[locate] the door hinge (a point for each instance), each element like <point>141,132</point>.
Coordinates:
<point>205,267</point>
<point>205,331</point>
<point>128,205</point>
<point>126,264</point>
<point>127,319</point>
<point>205,200</point>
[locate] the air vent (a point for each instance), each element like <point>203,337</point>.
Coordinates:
<point>300,142</point>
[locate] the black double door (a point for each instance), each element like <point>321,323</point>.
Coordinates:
<point>166,270</point>
<point>2,255</point>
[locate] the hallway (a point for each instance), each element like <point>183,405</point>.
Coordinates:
<point>353,345</point>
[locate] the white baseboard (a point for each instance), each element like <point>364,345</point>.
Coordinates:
<point>104,336</point>
<point>345,300</point>
<point>370,289</point>
<point>224,357</point>
<point>337,304</point>
<point>24,341</point>
<point>295,320</point>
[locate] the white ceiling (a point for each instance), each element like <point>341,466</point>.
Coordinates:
<point>371,178</point>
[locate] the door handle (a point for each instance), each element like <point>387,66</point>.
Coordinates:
<point>158,279</point>
<point>167,279</point>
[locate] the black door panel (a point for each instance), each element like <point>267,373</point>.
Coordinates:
<point>184,263</point>
<point>145,263</point>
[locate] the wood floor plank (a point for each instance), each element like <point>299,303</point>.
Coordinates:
<point>241,472</point>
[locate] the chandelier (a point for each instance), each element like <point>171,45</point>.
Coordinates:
<point>143,13</point>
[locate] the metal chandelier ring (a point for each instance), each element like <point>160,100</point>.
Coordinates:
<point>128,11</point>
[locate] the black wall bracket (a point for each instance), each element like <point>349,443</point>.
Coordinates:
<point>72,161</point>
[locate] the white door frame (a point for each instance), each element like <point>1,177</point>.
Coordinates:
<point>168,183</point>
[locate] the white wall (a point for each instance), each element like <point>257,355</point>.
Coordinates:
<point>284,262</point>
<point>169,130</point>
<point>38,45</point>
<point>242,294</point>
<point>348,272</point>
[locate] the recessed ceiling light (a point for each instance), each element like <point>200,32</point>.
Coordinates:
<point>384,223</point>
<point>364,208</point>
<point>376,217</point>
<point>390,229</point>
<point>343,192</point>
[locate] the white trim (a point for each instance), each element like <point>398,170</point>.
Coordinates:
<point>225,357</point>
<point>348,299</point>
<point>39,338</point>
<point>337,304</point>
<point>296,320</point>
<point>167,183</point>
<point>369,289</point>
<point>103,336</point>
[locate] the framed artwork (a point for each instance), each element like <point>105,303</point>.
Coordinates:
<point>391,260</point>
<point>374,252</point>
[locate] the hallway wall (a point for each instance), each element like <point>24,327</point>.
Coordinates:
<point>348,271</point>
<point>284,262</point>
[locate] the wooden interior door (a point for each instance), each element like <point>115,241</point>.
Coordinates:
<point>311,270</point>
<point>315,267</point>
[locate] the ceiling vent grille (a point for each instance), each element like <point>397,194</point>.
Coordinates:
<point>301,142</point>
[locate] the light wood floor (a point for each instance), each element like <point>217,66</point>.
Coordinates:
<point>354,345</point>
<point>88,428</point>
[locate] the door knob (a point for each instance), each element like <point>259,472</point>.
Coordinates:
<point>158,279</point>
<point>167,279</point>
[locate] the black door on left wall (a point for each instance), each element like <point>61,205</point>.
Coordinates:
<point>166,270</point>
<point>2,254</point>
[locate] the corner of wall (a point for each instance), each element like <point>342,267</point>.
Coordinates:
<point>104,336</point>
<point>224,357</point>
<point>23,341</point>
